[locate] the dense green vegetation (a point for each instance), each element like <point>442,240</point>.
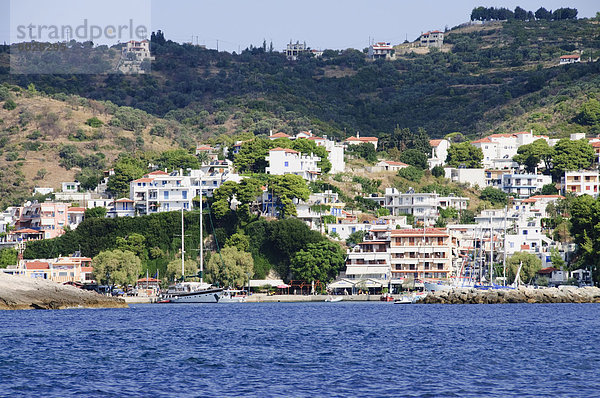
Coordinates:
<point>340,93</point>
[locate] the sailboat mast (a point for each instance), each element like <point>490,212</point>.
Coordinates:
<point>504,256</point>
<point>201,237</point>
<point>491,250</point>
<point>182,248</point>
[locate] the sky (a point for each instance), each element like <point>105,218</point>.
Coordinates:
<point>235,24</point>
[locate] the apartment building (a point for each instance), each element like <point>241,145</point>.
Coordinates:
<point>422,253</point>
<point>423,206</point>
<point>60,270</point>
<point>287,161</point>
<point>499,149</point>
<point>580,182</point>
<point>524,185</point>
<point>49,219</point>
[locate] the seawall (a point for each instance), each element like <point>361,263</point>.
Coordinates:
<point>565,294</point>
<point>21,293</point>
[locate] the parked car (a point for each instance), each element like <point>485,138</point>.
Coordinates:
<point>118,292</point>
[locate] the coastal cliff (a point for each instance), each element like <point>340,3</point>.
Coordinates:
<point>20,293</point>
<point>566,294</point>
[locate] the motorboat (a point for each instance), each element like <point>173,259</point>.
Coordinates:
<point>331,299</point>
<point>233,296</point>
<point>193,292</point>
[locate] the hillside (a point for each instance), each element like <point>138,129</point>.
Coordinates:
<point>45,140</point>
<point>496,76</point>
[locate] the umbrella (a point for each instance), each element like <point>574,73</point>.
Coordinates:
<point>284,286</point>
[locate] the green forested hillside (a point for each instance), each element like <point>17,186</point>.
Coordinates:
<point>492,74</point>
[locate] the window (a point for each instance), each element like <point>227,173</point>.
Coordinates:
<point>184,195</point>
<point>166,195</point>
<point>286,164</point>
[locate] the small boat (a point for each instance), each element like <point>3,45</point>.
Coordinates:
<point>436,286</point>
<point>193,292</point>
<point>411,298</point>
<point>233,296</point>
<point>386,297</point>
<point>331,299</point>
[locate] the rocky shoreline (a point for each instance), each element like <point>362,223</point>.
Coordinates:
<point>21,293</point>
<point>565,294</point>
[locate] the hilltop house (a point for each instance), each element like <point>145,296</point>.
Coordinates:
<point>133,55</point>
<point>499,149</point>
<point>361,140</point>
<point>439,152</point>
<point>293,50</point>
<point>569,59</point>
<point>381,50</point>
<point>434,38</point>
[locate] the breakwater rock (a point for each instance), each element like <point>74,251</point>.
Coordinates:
<point>20,293</point>
<point>564,294</point>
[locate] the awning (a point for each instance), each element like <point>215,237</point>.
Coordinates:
<point>283,286</point>
<point>341,284</point>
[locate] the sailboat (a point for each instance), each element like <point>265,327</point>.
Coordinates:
<point>193,292</point>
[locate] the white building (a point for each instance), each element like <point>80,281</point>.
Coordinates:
<point>524,185</point>
<point>345,229</point>
<point>287,161</point>
<point>318,205</point>
<point>569,59</point>
<point>499,149</point>
<point>361,140</point>
<point>121,208</point>
<point>382,50</point>
<point>133,55</point>
<point>293,50</point>
<point>434,38</point>
<point>159,191</point>
<point>473,177</point>
<point>439,152</point>
<point>388,165</point>
<point>423,206</point>
<point>581,182</point>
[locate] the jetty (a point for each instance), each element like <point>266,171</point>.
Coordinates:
<point>564,294</point>
<point>21,292</point>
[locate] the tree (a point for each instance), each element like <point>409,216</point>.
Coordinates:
<point>117,267</point>
<point>549,189</point>
<point>572,155</point>
<point>355,238</point>
<point>411,173</point>
<point>414,157</point>
<point>286,188</point>
<point>364,151</point>
<point>95,212</point>
<point>520,14</point>
<point>134,243</point>
<point>320,261</point>
<point>231,267</point>
<point>531,155</point>
<point>542,13</point>
<point>438,171</point>
<point>556,258</point>
<point>404,138</point>
<point>8,257</point>
<point>126,170</point>
<point>174,268</point>
<point>494,196</point>
<point>531,265</point>
<point>239,240</point>
<point>251,157</point>
<point>463,154</point>
<point>177,159</point>
<point>589,113</point>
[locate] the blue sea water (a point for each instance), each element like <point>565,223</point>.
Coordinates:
<point>303,350</point>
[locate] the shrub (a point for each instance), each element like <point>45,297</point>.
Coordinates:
<point>438,171</point>
<point>9,105</point>
<point>94,122</point>
<point>411,173</point>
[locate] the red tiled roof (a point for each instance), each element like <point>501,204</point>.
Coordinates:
<point>283,149</point>
<point>315,138</point>
<point>27,231</point>
<point>547,270</point>
<point>393,163</point>
<point>75,209</point>
<point>37,265</point>
<point>485,139</point>
<point>363,139</point>
<point>124,200</point>
<point>279,135</point>
<point>144,180</point>
<point>435,142</point>
<point>204,148</point>
<point>570,56</point>
<point>158,172</point>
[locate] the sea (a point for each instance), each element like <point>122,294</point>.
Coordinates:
<point>340,349</point>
